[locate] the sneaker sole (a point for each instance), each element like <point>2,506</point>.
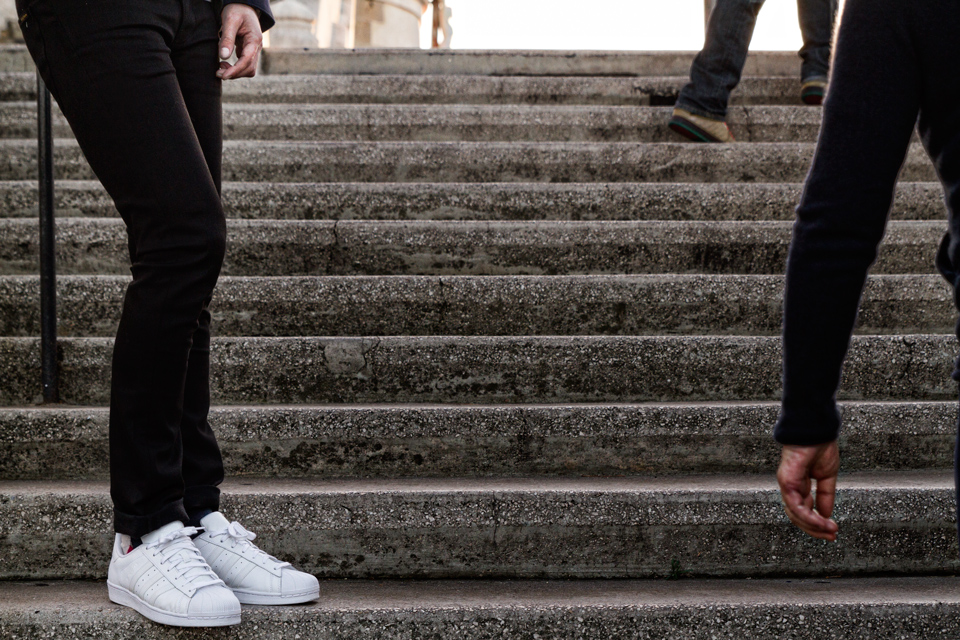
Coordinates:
<point>812,98</point>
<point>250,597</point>
<point>127,598</point>
<point>691,131</point>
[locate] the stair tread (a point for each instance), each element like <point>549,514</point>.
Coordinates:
<point>639,487</point>
<point>341,596</point>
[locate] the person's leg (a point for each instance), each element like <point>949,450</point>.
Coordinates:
<point>816,27</point>
<point>109,65</point>
<point>717,68</point>
<point>196,61</point>
<point>939,127</point>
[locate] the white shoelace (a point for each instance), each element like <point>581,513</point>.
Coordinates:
<point>242,538</point>
<point>177,549</point>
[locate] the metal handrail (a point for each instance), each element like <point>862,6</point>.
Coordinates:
<point>49,369</point>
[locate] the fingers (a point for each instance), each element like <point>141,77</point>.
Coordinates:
<point>798,468</point>
<point>826,495</point>
<point>241,26</point>
<point>228,35</point>
<point>246,66</point>
<point>799,508</point>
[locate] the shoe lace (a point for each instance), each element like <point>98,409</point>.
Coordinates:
<point>240,537</point>
<point>178,551</point>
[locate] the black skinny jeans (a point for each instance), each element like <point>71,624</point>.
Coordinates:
<point>136,81</point>
<point>893,61</point>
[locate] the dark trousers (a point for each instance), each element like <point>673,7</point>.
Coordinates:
<point>136,81</point>
<point>894,61</point>
<point>717,68</point>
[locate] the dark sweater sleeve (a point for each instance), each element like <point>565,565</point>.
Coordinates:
<point>266,15</point>
<point>834,243</point>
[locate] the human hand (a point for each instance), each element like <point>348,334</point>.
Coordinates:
<point>800,465</point>
<point>240,27</point>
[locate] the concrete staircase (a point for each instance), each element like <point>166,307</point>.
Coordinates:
<point>485,324</point>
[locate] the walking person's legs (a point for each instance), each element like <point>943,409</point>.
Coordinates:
<point>816,27</point>
<point>939,127</point>
<point>701,108</point>
<point>717,68</point>
<point>110,65</point>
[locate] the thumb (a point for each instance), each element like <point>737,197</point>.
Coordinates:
<point>228,36</point>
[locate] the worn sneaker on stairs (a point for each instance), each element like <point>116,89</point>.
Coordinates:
<point>698,128</point>
<point>168,581</point>
<point>813,91</point>
<point>255,576</point>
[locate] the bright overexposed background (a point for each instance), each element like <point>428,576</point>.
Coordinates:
<point>645,25</point>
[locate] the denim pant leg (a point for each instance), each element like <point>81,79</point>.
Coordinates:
<point>716,69</point>
<point>816,27</point>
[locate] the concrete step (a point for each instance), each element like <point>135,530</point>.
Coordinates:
<point>14,58</point>
<point>389,441</point>
<point>270,247</point>
<point>638,527</point>
<point>509,63</point>
<point>467,123</point>
<point>492,370</point>
<point>485,305</point>
<point>843,609</point>
<point>495,201</point>
<point>482,162</point>
<point>460,89</point>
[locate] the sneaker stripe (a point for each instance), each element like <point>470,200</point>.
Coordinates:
<point>689,130</point>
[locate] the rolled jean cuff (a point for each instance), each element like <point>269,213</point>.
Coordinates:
<point>197,499</point>
<point>686,106</point>
<point>138,526</point>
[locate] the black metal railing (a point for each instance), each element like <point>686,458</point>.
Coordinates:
<point>49,370</point>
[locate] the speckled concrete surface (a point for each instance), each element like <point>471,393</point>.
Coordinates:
<point>521,528</point>
<point>509,63</point>
<point>507,440</point>
<point>496,201</point>
<point>454,89</point>
<point>441,247</point>
<point>15,58</point>
<point>502,369</point>
<point>259,161</point>
<point>841,609</point>
<point>463,123</point>
<point>485,305</point>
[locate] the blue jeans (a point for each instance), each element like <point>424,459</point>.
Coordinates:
<point>716,70</point>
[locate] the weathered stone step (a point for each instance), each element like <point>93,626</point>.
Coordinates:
<point>269,247</point>
<point>509,63</point>
<point>15,58</point>
<point>485,305</point>
<point>767,609</point>
<point>494,201</point>
<point>467,123</point>
<point>886,608</point>
<point>730,525</point>
<point>384,441</point>
<point>482,162</point>
<point>454,89</point>
<point>560,369</point>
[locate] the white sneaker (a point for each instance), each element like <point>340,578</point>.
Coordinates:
<point>167,580</point>
<point>254,576</point>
